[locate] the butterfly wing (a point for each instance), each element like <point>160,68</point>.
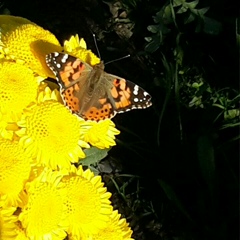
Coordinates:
<point>126,95</point>
<point>72,75</point>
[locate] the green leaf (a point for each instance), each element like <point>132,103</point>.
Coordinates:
<point>148,39</point>
<point>201,11</point>
<point>183,9</point>
<point>185,6</point>
<point>191,5</point>
<point>167,15</point>
<point>154,44</point>
<point>153,28</point>
<point>190,18</point>
<point>177,3</point>
<point>158,17</point>
<point>164,16</point>
<point>232,125</point>
<point>94,155</point>
<point>232,113</point>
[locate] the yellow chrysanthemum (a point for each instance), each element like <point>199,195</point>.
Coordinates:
<point>88,202</point>
<point>99,134</point>
<point>5,129</point>
<point>7,22</point>
<point>45,93</point>
<point>7,223</point>
<point>52,134</point>
<point>116,229</point>
<point>18,87</point>
<point>21,234</point>
<point>77,48</point>
<point>15,170</point>
<point>24,41</point>
<point>43,217</point>
<point>74,43</point>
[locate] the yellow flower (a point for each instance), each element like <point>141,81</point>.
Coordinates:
<point>78,48</point>
<point>24,41</point>
<point>43,215</point>
<point>74,43</point>
<point>52,134</point>
<point>18,87</point>
<point>116,229</point>
<point>15,170</point>
<point>88,202</point>
<point>6,128</point>
<point>45,93</point>
<point>21,235</point>
<point>99,134</point>
<point>7,223</point>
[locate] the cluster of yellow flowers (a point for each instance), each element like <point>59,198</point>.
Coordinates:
<point>43,196</point>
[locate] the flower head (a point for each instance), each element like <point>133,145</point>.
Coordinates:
<point>43,215</point>
<point>74,43</point>
<point>52,134</point>
<point>88,202</point>
<point>78,48</point>
<point>18,87</point>
<point>15,169</point>
<point>7,223</point>
<point>24,41</point>
<point>45,93</point>
<point>116,229</point>
<point>99,134</point>
<point>8,124</point>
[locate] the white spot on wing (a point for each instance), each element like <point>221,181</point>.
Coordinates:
<point>58,65</point>
<point>135,90</point>
<point>145,94</point>
<point>64,58</point>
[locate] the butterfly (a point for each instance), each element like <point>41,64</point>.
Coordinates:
<point>90,92</point>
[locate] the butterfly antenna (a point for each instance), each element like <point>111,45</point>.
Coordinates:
<point>115,60</point>
<point>95,42</point>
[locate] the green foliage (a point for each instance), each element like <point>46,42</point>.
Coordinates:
<point>200,94</point>
<point>93,157</point>
<point>169,15</point>
<point>184,76</point>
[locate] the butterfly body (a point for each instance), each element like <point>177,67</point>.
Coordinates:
<point>92,93</point>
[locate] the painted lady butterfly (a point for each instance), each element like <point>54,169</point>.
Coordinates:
<point>92,93</point>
